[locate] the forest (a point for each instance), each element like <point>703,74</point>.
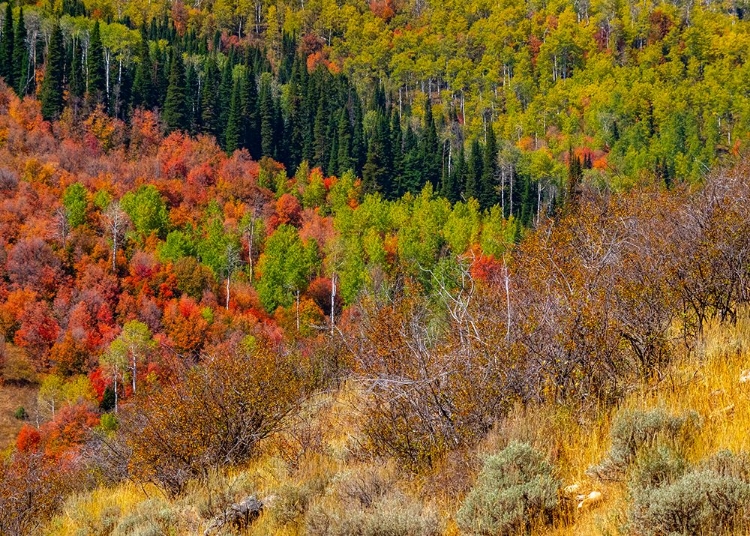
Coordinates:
<point>389,267</point>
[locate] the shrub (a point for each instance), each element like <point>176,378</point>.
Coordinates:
<point>515,488</point>
<point>634,430</point>
<point>657,467</point>
<point>393,514</point>
<point>151,518</point>
<point>701,502</point>
<point>293,502</point>
<point>726,463</point>
<point>212,419</point>
<point>20,413</point>
<point>108,423</point>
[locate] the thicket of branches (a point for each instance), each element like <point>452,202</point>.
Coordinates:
<point>586,306</point>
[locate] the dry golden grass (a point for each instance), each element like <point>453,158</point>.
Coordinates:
<point>324,442</point>
<point>11,397</point>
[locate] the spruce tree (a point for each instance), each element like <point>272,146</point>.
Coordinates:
<point>488,190</point>
<point>295,126</point>
<point>397,150</point>
<point>76,83</point>
<point>52,87</point>
<point>175,110</point>
<point>209,103</point>
<point>431,157</point>
<point>233,131</point>
<point>96,90</point>
<point>321,142</point>
<point>250,127</point>
<point>411,178</point>
<point>377,173</point>
<point>345,160</point>
<point>458,178</point>
<point>143,84</point>
<point>359,144</point>
<point>266,110</point>
<point>575,175</point>
<point>191,94</point>
<point>6,46</point>
<point>475,170</point>
<point>20,57</point>
<point>224,97</point>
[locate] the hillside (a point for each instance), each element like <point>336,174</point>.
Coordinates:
<point>397,267</point>
<point>316,470</point>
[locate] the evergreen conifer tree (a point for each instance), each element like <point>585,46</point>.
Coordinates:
<point>52,86</point>
<point>6,46</point>
<point>210,106</point>
<point>76,83</point>
<point>488,190</point>
<point>20,56</point>
<point>431,157</point>
<point>175,109</point>
<point>474,172</point>
<point>96,89</point>
<point>233,131</point>
<point>266,110</point>
<point>143,84</point>
<point>250,129</point>
<point>345,161</point>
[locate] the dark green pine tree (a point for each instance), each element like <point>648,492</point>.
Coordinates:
<point>250,127</point>
<point>52,87</point>
<point>143,94</point>
<point>96,86</point>
<point>575,175</point>
<point>488,186</point>
<point>377,173</point>
<point>161,79</point>
<point>76,84</point>
<point>458,177</point>
<point>175,105</point>
<point>6,46</point>
<point>333,158</point>
<point>210,106</point>
<point>344,134</point>
<point>474,171</point>
<point>266,110</point>
<point>359,144</point>
<point>234,132</point>
<point>224,97</point>
<point>397,150</point>
<point>431,157</point>
<point>278,130</point>
<point>411,177</point>
<point>191,94</point>
<point>310,100</point>
<point>21,57</point>
<point>296,120</point>
<point>321,143</point>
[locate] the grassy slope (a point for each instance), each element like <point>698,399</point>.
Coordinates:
<point>11,397</point>
<point>708,383</point>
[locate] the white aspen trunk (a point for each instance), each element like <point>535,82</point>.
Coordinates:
<point>106,76</point>
<point>333,301</point>
<point>135,367</point>
<point>115,381</point>
<point>538,199</point>
<point>228,279</point>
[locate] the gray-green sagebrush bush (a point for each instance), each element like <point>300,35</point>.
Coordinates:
<point>700,502</point>
<point>669,496</point>
<point>368,504</point>
<point>634,430</point>
<point>515,488</point>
